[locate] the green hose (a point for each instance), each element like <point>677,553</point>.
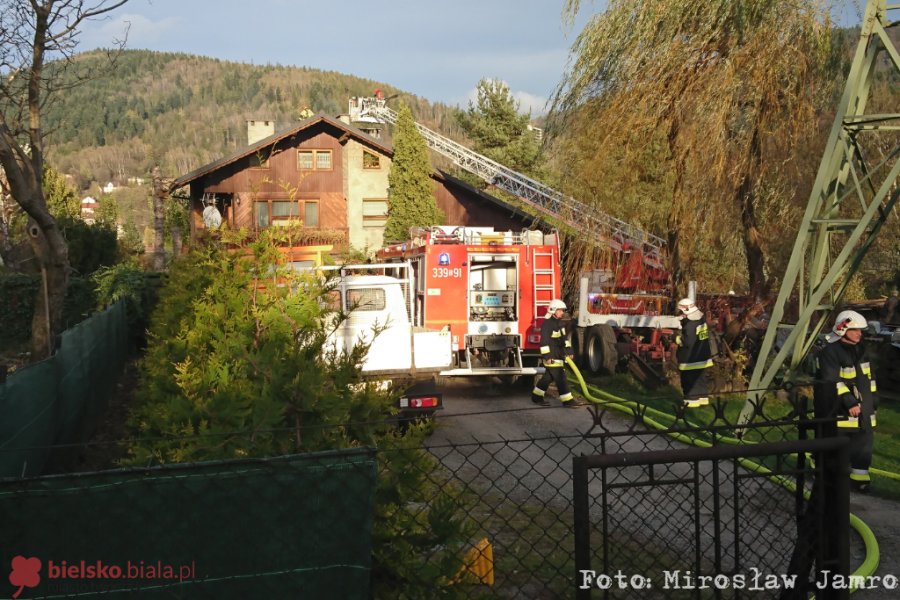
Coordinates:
<point>873,554</point>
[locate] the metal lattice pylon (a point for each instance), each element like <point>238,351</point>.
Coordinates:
<point>854,192</point>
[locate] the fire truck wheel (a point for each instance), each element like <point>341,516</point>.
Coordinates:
<point>600,353</point>
<point>572,335</point>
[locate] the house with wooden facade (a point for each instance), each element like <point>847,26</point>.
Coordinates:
<point>328,176</point>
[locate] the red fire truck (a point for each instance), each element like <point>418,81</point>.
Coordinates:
<point>490,288</point>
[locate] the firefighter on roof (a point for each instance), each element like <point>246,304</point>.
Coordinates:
<point>693,354</point>
<point>555,347</point>
<point>845,388</point>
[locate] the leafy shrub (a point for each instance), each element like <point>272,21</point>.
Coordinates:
<point>235,368</point>
<point>139,288</point>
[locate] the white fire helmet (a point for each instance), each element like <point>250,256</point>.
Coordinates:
<point>687,307</point>
<point>846,319</point>
<point>555,305</point>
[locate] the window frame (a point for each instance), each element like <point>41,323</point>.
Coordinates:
<point>310,202</point>
<point>377,166</point>
<point>314,154</point>
<point>369,221</point>
<point>300,215</point>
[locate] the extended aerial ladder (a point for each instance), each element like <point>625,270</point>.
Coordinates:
<point>580,217</point>
<point>854,193</point>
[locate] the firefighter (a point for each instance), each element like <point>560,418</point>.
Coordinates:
<point>693,354</point>
<point>845,389</point>
<point>555,347</point>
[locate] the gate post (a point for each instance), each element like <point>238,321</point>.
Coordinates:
<point>836,522</point>
<point>582,523</point>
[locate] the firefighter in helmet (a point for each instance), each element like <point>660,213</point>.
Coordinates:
<point>845,389</point>
<point>693,354</point>
<point>555,347</point>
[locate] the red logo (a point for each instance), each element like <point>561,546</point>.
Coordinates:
<point>25,573</point>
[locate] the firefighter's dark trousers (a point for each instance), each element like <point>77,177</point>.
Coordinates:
<point>694,384</point>
<point>861,443</point>
<point>557,375</point>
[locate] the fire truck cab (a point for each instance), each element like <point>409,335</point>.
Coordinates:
<point>491,290</point>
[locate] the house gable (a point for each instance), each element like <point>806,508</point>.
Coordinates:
<point>331,176</point>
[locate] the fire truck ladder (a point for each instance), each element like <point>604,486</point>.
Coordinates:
<point>578,216</point>
<point>854,193</point>
<point>544,280</point>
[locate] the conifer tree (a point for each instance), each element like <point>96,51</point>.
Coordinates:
<point>497,129</point>
<point>411,195</point>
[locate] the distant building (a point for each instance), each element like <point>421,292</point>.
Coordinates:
<point>89,207</point>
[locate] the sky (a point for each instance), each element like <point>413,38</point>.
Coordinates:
<point>438,50</point>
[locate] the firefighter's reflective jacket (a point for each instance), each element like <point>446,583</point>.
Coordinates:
<point>844,380</point>
<point>693,345</point>
<point>555,344</point>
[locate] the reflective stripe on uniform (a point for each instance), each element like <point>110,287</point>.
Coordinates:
<point>538,392</point>
<point>678,339</point>
<point>545,349</point>
<point>850,423</point>
<point>848,373</point>
<point>842,388</point>
<point>568,344</point>
<point>565,397</point>
<point>703,364</point>
<point>866,369</point>
<point>554,362</point>
<point>860,475</point>
<point>873,421</point>
<point>703,332</point>
<point>872,386</point>
<point>556,334</point>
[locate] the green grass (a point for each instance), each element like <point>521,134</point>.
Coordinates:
<point>886,455</point>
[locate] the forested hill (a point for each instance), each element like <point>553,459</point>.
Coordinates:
<point>184,111</point>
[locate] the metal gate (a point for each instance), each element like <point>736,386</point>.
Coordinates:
<point>727,521</point>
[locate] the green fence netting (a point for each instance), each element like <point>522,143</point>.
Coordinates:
<point>288,527</point>
<point>57,401</point>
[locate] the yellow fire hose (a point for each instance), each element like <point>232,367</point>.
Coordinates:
<point>873,555</point>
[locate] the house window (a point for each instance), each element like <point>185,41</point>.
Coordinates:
<point>311,213</point>
<point>276,212</point>
<point>375,212</point>
<point>371,160</point>
<point>314,160</point>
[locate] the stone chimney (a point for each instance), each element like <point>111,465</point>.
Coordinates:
<point>257,130</point>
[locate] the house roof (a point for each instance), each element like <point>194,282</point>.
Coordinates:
<point>274,139</point>
<point>355,133</point>
<point>513,210</point>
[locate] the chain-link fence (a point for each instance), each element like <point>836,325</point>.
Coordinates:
<point>58,401</point>
<point>540,517</point>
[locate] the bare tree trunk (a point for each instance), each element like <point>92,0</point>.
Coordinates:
<point>47,322</point>
<point>759,287</point>
<point>159,221</point>
<point>6,213</point>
